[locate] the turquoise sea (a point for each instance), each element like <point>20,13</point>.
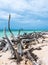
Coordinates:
<point>15,32</point>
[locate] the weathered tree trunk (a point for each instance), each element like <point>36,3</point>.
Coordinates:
<point>19,49</point>
<point>31,58</point>
<point>13,51</point>
<point>9,26</point>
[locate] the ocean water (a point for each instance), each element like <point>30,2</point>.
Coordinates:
<point>15,32</point>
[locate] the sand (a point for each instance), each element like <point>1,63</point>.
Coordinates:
<point>42,55</point>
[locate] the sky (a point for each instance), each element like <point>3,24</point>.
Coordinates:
<point>25,14</point>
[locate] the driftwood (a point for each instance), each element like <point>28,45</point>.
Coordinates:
<point>21,41</point>
<point>13,51</point>
<point>12,35</point>
<point>34,35</point>
<point>2,44</point>
<point>37,35</point>
<point>19,52</point>
<point>31,58</point>
<point>19,49</point>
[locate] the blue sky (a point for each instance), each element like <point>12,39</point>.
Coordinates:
<point>26,14</point>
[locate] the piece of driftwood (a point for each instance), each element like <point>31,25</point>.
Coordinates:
<point>19,49</point>
<point>31,58</point>
<point>27,38</point>
<point>31,37</point>
<point>13,51</point>
<point>12,35</point>
<point>2,44</point>
<point>38,35</point>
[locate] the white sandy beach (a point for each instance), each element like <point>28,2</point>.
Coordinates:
<point>42,55</point>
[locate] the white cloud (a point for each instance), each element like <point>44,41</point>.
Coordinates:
<point>13,4</point>
<point>3,15</point>
<point>39,7</point>
<point>34,5</point>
